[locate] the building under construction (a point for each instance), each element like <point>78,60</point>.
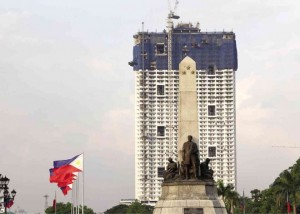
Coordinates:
<point>156,58</point>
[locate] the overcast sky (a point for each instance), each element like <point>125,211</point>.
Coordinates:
<point>66,88</point>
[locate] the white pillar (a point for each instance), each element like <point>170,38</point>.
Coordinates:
<point>188,106</point>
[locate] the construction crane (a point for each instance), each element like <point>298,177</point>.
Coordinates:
<point>172,12</point>
<point>288,147</point>
<point>171,16</point>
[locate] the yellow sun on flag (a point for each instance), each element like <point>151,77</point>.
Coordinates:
<point>78,163</point>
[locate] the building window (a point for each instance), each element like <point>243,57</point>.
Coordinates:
<point>211,110</point>
<point>160,48</point>
<point>160,172</point>
<point>160,90</point>
<point>143,106</point>
<point>211,70</point>
<point>212,152</point>
<point>161,131</point>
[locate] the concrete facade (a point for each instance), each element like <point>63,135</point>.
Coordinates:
<point>157,90</point>
<point>152,110</point>
<point>195,195</point>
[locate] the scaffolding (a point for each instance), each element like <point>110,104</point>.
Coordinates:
<point>156,57</point>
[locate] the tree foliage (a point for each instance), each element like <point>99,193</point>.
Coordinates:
<point>121,208</point>
<point>272,200</point>
<point>62,208</point>
<point>229,196</point>
<point>136,208</point>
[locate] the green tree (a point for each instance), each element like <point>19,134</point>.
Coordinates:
<point>222,189</point>
<point>255,195</point>
<point>138,208</point>
<point>229,196</point>
<point>62,208</point>
<point>271,200</point>
<point>232,200</point>
<point>121,208</point>
<point>288,184</point>
<point>268,202</point>
<point>256,201</point>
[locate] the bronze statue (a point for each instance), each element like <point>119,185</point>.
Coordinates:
<point>171,171</point>
<point>190,158</point>
<point>206,173</point>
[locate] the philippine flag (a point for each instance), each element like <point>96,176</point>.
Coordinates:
<point>76,162</point>
<point>66,171</point>
<point>65,189</point>
<point>56,177</point>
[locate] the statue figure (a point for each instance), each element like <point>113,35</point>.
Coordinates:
<point>190,157</point>
<point>171,170</point>
<point>206,173</point>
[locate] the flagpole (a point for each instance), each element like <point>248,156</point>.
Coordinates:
<point>72,201</point>
<point>55,203</point>
<point>83,184</point>
<point>77,195</point>
<point>244,204</point>
<point>75,198</point>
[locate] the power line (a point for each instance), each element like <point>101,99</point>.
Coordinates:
<point>288,147</point>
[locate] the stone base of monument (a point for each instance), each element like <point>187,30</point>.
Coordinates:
<point>189,197</point>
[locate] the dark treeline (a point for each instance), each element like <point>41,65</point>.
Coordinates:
<point>273,200</point>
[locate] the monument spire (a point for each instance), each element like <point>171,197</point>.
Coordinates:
<point>188,107</point>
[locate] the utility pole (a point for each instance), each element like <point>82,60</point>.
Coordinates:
<point>46,201</point>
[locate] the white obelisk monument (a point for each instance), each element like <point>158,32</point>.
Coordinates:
<point>188,107</point>
<point>191,196</point>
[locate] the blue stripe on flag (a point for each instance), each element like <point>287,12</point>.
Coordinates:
<point>60,163</point>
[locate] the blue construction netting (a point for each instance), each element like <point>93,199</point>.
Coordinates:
<point>216,49</point>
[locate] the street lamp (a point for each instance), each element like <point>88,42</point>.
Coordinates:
<point>5,193</point>
<point>3,182</point>
<point>13,193</point>
<point>0,182</point>
<point>7,199</point>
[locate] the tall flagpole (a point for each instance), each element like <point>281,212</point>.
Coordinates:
<point>244,204</point>
<point>72,200</point>
<point>77,194</point>
<point>75,198</point>
<point>55,203</point>
<point>83,184</point>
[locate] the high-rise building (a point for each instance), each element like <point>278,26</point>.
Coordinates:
<point>156,58</point>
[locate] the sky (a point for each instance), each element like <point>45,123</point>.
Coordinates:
<point>66,88</point>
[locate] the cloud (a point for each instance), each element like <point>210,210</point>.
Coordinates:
<point>244,87</point>
<point>57,100</point>
<point>100,66</point>
<point>10,20</point>
<point>115,134</point>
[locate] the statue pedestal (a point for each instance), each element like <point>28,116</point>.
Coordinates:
<point>189,197</point>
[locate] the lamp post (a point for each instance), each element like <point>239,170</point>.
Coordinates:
<point>7,197</point>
